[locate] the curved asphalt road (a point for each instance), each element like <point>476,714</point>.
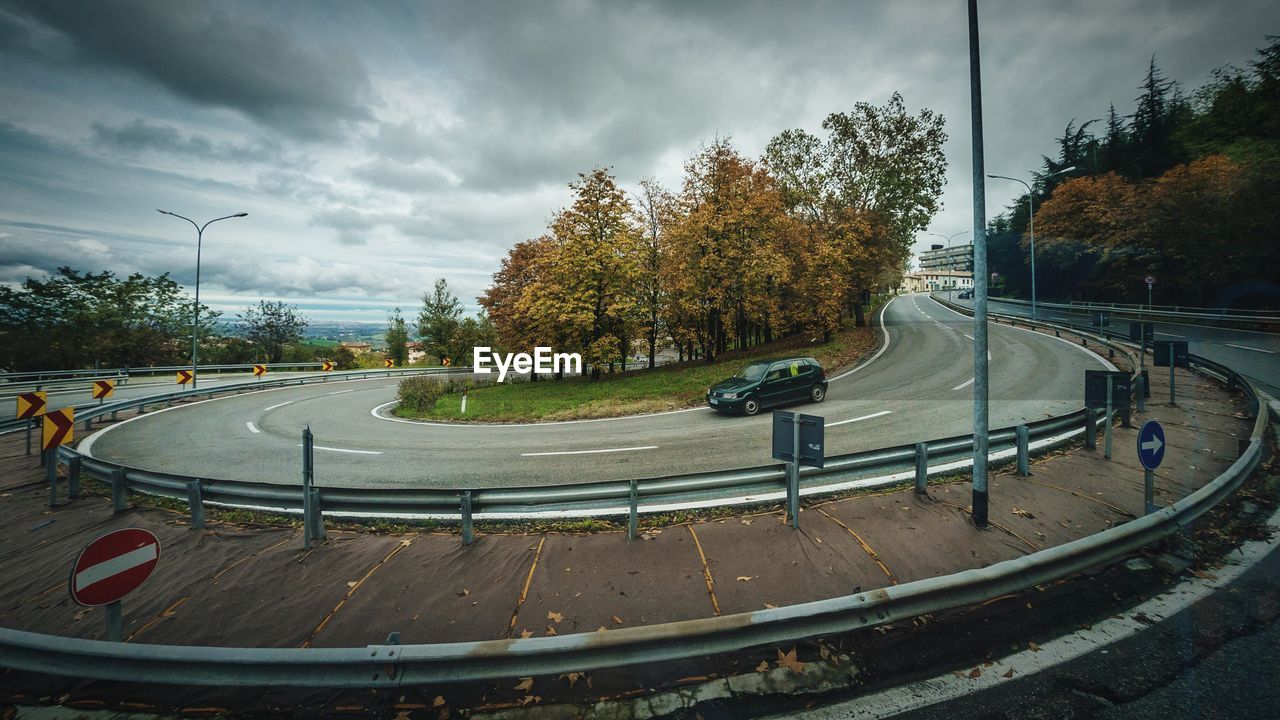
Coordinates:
<point>919,388</point>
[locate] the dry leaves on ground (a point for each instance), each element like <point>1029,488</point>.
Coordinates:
<point>788,660</point>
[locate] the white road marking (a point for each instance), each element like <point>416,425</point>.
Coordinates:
<point>859,419</point>
<point>333,449</point>
<point>115,566</point>
<point>277,405</point>
<point>1105,363</point>
<point>1246,347</point>
<point>1169,334</point>
<point>964,384</point>
<point>377,413</point>
<point>879,352</point>
<point>252,428</point>
<point>589,452</point>
<point>340,392</point>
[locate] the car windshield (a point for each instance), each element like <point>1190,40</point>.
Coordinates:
<point>754,371</point>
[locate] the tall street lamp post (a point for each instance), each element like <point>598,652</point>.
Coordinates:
<point>1031,225</point>
<point>195,323</point>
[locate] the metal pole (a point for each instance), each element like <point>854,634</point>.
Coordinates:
<point>307,471</point>
<point>195,323</point>
<point>51,474</point>
<point>633,503</point>
<point>1149,490</point>
<point>467,535</point>
<point>31,424</point>
<point>922,468</point>
<point>1142,392</point>
<point>1172,399</point>
<point>980,387</point>
<point>1106,451</point>
<point>1024,450</point>
<point>793,473</point>
<point>115,622</point>
<point>1031,224</point>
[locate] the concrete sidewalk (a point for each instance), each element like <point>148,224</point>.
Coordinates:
<point>255,586</point>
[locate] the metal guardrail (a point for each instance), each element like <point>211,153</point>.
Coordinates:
<point>380,666</point>
<point>1226,312</point>
<point>1141,312</point>
<point>91,411</point>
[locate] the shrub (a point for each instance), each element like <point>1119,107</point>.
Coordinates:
<point>420,392</point>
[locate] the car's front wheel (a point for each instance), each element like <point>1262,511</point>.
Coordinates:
<point>751,406</point>
<point>817,394</point>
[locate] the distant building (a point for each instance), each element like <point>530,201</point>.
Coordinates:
<point>958,258</point>
<point>416,352</point>
<point>937,280</point>
<point>358,348</point>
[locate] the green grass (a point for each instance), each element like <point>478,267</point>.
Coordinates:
<point>633,392</point>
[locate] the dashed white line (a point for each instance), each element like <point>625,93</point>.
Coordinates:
<point>340,392</point>
<point>1168,334</point>
<point>1246,347</point>
<point>252,428</point>
<point>589,452</point>
<point>859,419</point>
<point>964,384</point>
<point>344,450</point>
<point>277,405</point>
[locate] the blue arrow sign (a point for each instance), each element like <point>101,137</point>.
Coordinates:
<point>1151,444</point>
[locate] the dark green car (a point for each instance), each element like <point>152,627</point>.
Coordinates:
<point>767,383</point>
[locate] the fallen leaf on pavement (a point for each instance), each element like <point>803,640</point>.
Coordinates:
<point>440,700</point>
<point>616,620</point>
<point>525,684</point>
<point>571,677</point>
<point>763,666</point>
<point>554,616</point>
<point>745,521</point>
<point>745,578</point>
<point>526,633</point>
<point>1032,646</point>
<point>1008,674</point>
<point>788,660</point>
<point>975,673</point>
<point>550,631</point>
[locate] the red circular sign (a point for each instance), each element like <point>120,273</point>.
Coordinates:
<point>113,566</point>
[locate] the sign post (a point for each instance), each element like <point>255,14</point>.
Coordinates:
<point>1151,453</point>
<point>1171,354</point>
<point>1151,280</point>
<point>31,406</point>
<point>797,440</point>
<point>58,429</point>
<point>111,567</point>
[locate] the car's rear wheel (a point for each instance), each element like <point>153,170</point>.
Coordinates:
<point>751,406</point>
<point>817,394</point>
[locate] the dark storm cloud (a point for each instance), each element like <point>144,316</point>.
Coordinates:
<point>205,55</point>
<point>141,136</point>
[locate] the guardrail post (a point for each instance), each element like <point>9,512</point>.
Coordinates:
<point>196,501</point>
<point>1090,429</point>
<point>73,477</point>
<point>119,499</point>
<point>1106,452</point>
<point>467,535</point>
<point>317,516</point>
<point>308,471</point>
<point>88,420</point>
<point>1024,450</point>
<point>51,474</point>
<point>31,424</point>
<point>633,509</point>
<point>922,468</point>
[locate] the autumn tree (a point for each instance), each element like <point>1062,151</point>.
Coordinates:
<point>513,326</point>
<point>655,213</point>
<point>581,296</point>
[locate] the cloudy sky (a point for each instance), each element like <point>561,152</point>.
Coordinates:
<point>377,146</point>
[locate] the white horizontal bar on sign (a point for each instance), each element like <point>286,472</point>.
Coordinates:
<point>115,566</point>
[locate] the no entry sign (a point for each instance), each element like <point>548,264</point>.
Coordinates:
<point>113,566</point>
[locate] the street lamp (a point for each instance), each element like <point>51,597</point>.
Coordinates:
<point>195,323</point>
<point>948,239</point>
<point>1031,225</point>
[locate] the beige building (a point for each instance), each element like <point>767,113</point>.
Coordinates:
<point>931,280</point>
<point>358,348</point>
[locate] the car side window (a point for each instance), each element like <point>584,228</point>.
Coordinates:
<point>798,367</point>
<point>777,372</point>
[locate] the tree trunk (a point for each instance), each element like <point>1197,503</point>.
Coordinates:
<point>861,319</point>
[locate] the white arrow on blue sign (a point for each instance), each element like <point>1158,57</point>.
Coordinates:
<point>1151,444</point>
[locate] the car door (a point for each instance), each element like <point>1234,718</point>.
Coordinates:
<point>776,386</point>
<point>799,378</point>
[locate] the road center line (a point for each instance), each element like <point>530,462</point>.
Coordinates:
<point>1169,334</point>
<point>344,450</point>
<point>277,405</point>
<point>964,384</point>
<point>1246,347</point>
<point>859,419</point>
<point>340,392</point>
<point>589,452</point>
<point>252,428</point>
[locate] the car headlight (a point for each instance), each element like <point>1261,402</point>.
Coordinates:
<point>730,396</point>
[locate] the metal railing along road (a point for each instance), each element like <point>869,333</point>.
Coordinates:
<point>391,665</point>
<point>1142,312</point>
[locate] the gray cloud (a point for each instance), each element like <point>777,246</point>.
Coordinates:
<point>141,136</point>
<point>215,58</point>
